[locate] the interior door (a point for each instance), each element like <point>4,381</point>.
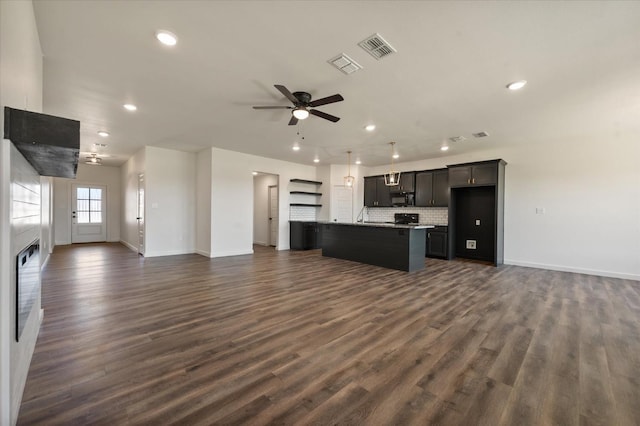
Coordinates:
<point>140,217</point>
<point>88,217</point>
<point>273,215</point>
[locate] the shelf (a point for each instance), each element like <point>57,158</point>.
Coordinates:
<point>312,182</point>
<point>305,192</point>
<point>305,205</point>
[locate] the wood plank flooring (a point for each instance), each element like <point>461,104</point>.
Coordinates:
<point>295,338</point>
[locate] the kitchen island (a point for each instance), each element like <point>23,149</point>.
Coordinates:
<point>388,245</point>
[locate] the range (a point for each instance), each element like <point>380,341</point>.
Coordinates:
<point>406,218</point>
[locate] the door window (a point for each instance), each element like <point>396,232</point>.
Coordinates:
<point>89,207</point>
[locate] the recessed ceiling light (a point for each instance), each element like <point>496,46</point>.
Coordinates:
<point>103,133</point>
<point>296,148</point>
<point>316,160</point>
<point>254,173</point>
<point>517,85</point>
<point>130,107</point>
<point>370,127</point>
<point>444,148</point>
<point>166,37</point>
<point>396,155</point>
<point>358,162</point>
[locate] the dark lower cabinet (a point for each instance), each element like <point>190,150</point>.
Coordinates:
<point>436,245</point>
<point>304,235</point>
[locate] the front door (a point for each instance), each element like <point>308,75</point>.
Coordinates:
<point>273,216</point>
<point>88,217</point>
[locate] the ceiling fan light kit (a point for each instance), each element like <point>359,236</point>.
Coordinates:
<point>300,113</point>
<point>93,160</point>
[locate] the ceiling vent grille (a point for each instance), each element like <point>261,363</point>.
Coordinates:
<point>377,46</point>
<point>345,64</point>
<point>480,135</point>
<point>457,139</point>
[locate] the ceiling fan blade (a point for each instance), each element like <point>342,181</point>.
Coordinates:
<point>327,100</point>
<point>272,107</point>
<point>324,115</point>
<point>293,121</point>
<point>286,93</point>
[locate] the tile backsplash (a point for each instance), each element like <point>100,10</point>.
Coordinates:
<point>303,213</point>
<point>428,215</point>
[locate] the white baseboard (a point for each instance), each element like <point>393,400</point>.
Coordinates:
<point>231,253</point>
<point>203,253</point>
<point>45,261</point>
<point>167,253</point>
<point>261,243</point>
<point>561,268</point>
<point>41,315</point>
<point>130,246</point>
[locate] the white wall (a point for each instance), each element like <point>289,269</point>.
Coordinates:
<point>20,87</point>
<point>170,202</point>
<point>47,240</point>
<point>261,185</point>
<point>89,175</point>
<point>591,197</point>
<point>203,203</point>
<point>337,174</point>
<point>129,175</point>
<point>232,199</point>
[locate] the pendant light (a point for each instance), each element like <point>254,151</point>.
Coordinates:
<point>349,180</point>
<point>392,178</point>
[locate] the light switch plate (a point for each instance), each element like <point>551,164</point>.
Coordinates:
<point>471,244</point>
<point>477,222</point>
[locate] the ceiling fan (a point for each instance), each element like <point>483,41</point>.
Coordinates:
<point>303,105</point>
<point>93,160</point>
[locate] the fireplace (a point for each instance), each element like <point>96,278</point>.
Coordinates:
<point>27,284</point>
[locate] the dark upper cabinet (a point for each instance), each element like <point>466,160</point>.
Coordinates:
<point>432,188</point>
<point>476,211</point>
<point>485,173</point>
<point>441,188</point>
<point>407,182</point>
<point>376,193</point>
<point>370,191</point>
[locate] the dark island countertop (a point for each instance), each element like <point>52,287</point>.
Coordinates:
<point>380,225</point>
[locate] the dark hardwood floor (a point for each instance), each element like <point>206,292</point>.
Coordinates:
<point>295,338</point>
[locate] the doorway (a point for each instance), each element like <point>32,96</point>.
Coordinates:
<point>266,217</point>
<point>88,213</point>
<point>140,217</point>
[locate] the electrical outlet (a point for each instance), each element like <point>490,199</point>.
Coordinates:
<point>471,244</point>
<point>540,210</point>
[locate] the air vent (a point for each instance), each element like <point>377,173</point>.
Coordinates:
<point>345,64</point>
<point>480,135</point>
<point>457,138</point>
<point>377,46</point>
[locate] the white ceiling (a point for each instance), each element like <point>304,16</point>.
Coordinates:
<point>448,77</point>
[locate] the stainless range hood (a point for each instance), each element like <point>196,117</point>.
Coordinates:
<point>50,144</point>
